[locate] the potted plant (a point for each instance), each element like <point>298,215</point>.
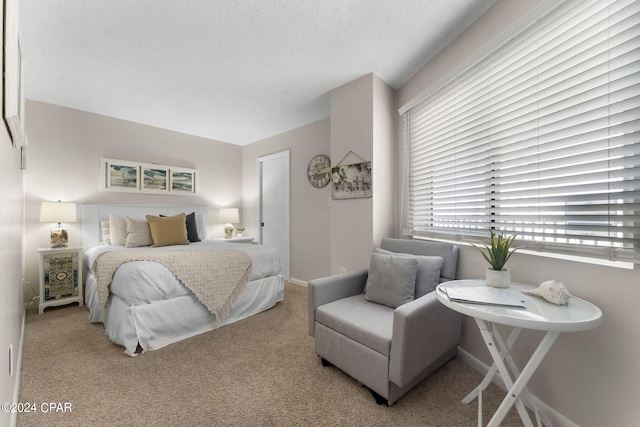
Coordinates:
<point>239,231</point>
<point>497,252</point>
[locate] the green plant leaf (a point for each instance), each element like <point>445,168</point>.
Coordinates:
<point>497,252</point>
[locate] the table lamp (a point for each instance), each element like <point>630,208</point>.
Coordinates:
<point>229,216</point>
<point>58,212</point>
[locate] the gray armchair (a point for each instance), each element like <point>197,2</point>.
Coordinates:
<point>380,330</point>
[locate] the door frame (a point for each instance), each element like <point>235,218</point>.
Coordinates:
<point>285,257</point>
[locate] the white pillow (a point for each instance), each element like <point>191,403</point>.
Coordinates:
<point>117,230</point>
<point>138,233</point>
<point>202,227</point>
<point>106,234</point>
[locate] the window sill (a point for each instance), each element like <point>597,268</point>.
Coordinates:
<point>587,260</point>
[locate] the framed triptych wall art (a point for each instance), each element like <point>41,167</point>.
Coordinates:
<point>134,177</point>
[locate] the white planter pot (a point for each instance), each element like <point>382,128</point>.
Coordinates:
<point>498,278</point>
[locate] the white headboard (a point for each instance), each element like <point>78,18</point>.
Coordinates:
<point>93,214</point>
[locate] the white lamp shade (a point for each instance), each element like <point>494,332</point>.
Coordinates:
<point>57,212</point>
<point>230,215</point>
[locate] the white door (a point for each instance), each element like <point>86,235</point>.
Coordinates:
<point>274,205</point>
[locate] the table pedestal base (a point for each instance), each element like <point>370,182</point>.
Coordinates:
<point>518,393</point>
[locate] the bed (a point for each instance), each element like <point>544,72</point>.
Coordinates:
<point>145,295</point>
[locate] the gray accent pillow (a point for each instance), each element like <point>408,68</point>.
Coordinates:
<point>392,280</point>
<point>429,269</point>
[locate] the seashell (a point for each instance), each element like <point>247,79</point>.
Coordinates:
<point>551,290</point>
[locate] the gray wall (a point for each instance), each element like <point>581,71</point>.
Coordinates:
<point>309,206</point>
<point>362,128</point>
<point>11,268</point>
<point>326,234</point>
<point>11,236</point>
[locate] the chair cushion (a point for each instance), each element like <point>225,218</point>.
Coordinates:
<point>368,323</point>
<point>391,280</point>
<point>428,274</point>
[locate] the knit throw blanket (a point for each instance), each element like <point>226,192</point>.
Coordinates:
<point>217,277</point>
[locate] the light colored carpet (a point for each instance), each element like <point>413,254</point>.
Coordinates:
<point>261,371</point>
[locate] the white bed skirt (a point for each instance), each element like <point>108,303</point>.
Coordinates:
<point>165,322</point>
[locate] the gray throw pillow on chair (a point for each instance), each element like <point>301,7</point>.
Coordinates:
<point>429,268</point>
<point>392,280</point>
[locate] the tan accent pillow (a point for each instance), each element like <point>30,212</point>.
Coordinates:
<point>169,230</point>
<point>138,233</point>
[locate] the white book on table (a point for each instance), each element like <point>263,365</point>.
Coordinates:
<point>484,295</point>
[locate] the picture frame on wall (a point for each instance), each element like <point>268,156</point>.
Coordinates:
<point>13,82</point>
<point>183,181</point>
<point>146,178</point>
<point>121,175</point>
<point>155,178</point>
<point>351,181</point>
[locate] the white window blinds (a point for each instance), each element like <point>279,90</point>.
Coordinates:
<point>541,138</point>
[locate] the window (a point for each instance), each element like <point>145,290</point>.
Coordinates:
<point>541,137</point>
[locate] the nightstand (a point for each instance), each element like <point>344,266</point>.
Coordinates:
<point>60,277</point>
<point>236,239</point>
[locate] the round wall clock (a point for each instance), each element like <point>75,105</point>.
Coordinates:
<point>319,171</point>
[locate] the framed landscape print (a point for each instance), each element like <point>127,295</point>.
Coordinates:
<point>155,178</point>
<point>121,175</point>
<point>183,181</point>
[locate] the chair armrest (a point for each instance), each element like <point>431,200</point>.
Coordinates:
<point>333,288</point>
<point>423,330</point>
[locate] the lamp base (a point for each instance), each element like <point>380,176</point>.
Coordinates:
<point>228,231</point>
<point>59,238</point>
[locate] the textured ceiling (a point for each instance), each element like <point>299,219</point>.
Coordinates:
<point>236,71</point>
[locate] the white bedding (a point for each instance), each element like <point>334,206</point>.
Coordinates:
<point>149,307</point>
<point>155,282</point>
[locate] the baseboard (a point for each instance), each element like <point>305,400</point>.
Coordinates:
<point>294,281</point>
<point>556,418</point>
<point>16,389</point>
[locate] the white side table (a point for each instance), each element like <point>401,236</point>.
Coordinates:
<point>60,277</point>
<point>236,239</point>
<point>539,314</point>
